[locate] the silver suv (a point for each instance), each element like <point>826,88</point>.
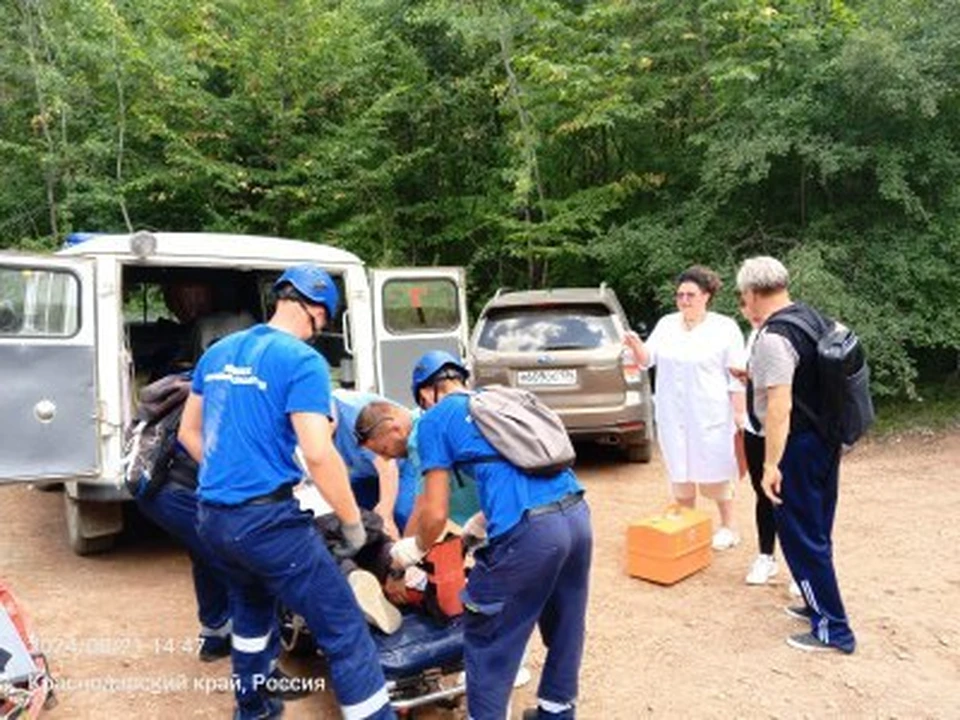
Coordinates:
<point>567,345</point>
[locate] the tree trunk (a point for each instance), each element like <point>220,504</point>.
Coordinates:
<point>43,118</point>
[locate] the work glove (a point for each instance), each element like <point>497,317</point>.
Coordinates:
<point>354,536</point>
<point>406,552</point>
<point>474,532</point>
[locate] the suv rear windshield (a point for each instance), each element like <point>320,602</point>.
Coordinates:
<point>556,327</point>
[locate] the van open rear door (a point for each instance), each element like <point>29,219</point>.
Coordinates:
<point>47,369</point>
<point>415,310</point>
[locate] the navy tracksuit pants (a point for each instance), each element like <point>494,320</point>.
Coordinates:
<point>174,508</point>
<point>810,470</point>
<point>537,573</point>
<point>274,551</point>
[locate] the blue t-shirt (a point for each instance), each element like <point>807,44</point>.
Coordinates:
<point>251,382</point>
<point>447,436</point>
<point>347,405</point>
<point>406,492</point>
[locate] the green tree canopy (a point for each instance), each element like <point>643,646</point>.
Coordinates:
<point>537,142</point>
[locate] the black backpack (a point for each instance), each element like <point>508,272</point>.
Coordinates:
<point>526,433</point>
<point>150,450</point>
<point>846,406</point>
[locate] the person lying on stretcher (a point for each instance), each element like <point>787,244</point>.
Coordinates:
<point>379,582</point>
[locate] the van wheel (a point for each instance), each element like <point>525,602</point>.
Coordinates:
<point>81,514</point>
<point>49,487</point>
<point>639,453</point>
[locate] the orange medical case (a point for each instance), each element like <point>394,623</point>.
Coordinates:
<point>669,546</point>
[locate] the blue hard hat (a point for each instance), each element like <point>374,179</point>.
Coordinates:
<point>314,283</point>
<point>431,364</point>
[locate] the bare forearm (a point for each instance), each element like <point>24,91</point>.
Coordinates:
<point>389,484</point>
<point>193,444</point>
<point>639,348</point>
<point>329,474</point>
<point>190,432</point>
<point>776,429</point>
<point>413,523</point>
<point>325,465</point>
<point>434,508</point>
<point>738,400</point>
<point>430,527</point>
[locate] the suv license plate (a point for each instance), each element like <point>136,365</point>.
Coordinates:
<point>553,376</point>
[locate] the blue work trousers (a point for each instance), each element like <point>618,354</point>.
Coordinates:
<point>174,509</point>
<point>810,470</point>
<point>274,551</point>
<point>537,573</point>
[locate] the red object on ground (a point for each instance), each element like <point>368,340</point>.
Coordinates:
<point>30,697</point>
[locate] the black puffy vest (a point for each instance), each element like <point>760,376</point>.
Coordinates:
<point>806,380</point>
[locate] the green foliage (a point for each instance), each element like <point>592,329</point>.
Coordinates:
<point>537,142</point>
<point>936,408</point>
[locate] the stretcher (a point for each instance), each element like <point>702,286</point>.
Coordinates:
<point>422,661</point>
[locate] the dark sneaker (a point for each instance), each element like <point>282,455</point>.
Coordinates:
<point>271,708</point>
<point>286,687</point>
<point>537,713</point>
<point>809,642</point>
<point>213,648</point>
<point>799,612</point>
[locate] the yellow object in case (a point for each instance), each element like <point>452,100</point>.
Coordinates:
<point>669,546</point>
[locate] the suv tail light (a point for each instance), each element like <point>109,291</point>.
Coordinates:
<point>632,372</point>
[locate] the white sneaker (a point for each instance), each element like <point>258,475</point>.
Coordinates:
<point>725,538</point>
<point>522,678</point>
<point>763,568</point>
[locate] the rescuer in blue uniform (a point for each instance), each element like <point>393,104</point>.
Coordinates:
<point>380,484</point>
<point>535,567</point>
<point>256,395</point>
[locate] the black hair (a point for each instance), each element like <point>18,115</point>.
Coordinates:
<point>288,292</point>
<point>703,277</point>
<point>373,415</point>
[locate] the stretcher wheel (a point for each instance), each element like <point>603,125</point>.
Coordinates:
<point>295,636</point>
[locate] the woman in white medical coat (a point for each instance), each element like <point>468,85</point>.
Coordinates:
<point>699,403</point>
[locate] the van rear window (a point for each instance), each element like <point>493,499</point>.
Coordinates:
<point>523,329</point>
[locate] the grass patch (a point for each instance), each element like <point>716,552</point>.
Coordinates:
<point>937,410</point>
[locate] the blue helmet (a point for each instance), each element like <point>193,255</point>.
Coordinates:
<point>430,365</point>
<point>314,283</point>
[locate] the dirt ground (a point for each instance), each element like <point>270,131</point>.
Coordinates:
<point>709,647</point>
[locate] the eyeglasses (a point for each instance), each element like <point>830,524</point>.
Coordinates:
<point>686,295</point>
<point>364,435</point>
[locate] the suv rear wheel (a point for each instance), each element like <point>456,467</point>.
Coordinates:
<point>638,452</point>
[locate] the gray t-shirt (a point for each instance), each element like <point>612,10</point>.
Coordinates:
<point>773,361</point>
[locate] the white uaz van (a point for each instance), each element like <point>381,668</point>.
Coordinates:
<point>81,331</point>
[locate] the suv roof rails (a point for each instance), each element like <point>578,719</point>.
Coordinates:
<point>603,286</point>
